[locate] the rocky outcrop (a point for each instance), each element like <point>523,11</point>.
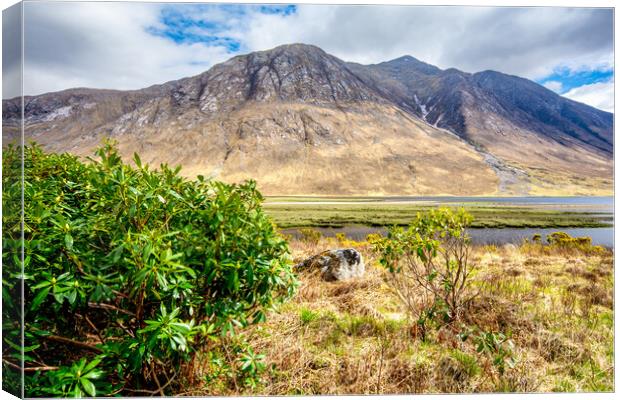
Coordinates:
<point>335,265</point>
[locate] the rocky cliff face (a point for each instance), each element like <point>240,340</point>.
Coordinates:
<point>536,141</point>
<point>301,121</point>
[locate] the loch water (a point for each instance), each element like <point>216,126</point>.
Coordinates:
<point>498,236</point>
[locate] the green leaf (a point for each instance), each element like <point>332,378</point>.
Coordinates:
<point>71,296</point>
<point>92,364</point>
<point>88,387</point>
<point>39,298</point>
<point>246,365</point>
<point>136,159</point>
<point>40,285</point>
<point>30,348</point>
<point>69,241</point>
<point>59,297</point>
<point>175,194</point>
<point>94,374</point>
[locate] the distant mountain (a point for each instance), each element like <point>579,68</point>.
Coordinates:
<point>301,121</point>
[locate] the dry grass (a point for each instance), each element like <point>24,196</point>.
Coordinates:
<point>290,148</point>
<point>352,337</point>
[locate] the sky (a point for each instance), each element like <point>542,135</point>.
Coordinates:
<point>134,45</point>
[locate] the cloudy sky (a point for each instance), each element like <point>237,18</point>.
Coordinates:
<point>134,45</point>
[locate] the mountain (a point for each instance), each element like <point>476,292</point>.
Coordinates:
<point>539,141</point>
<point>301,121</point>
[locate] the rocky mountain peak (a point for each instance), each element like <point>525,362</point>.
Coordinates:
<point>297,72</point>
<point>297,48</point>
<point>410,63</point>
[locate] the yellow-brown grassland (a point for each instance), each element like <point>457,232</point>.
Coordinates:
<point>546,310</point>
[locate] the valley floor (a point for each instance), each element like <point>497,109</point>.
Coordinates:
<point>321,212</point>
<point>554,306</point>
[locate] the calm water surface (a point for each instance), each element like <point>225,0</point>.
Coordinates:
<point>600,204</point>
<point>575,203</point>
<point>499,236</point>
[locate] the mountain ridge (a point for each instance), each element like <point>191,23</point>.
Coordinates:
<point>296,102</point>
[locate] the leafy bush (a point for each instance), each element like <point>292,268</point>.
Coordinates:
<point>562,242</point>
<point>78,380</point>
<point>344,241</point>
<point>494,345</point>
<point>428,265</point>
<point>131,272</point>
<point>372,238</point>
<point>310,236</point>
<point>11,272</point>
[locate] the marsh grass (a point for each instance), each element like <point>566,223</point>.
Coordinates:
<point>555,306</point>
<point>385,214</point>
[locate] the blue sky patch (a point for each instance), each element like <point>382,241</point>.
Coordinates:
<point>188,24</point>
<point>180,27</point>
<point>570,79</point>
<point>279,9</point>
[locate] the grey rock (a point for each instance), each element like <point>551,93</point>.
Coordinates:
<point>336,265</point>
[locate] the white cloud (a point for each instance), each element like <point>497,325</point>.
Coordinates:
<point>106,44</point>
<point>556,86</point>
<point>11,50</point>
<point>599,95</point>
<point>529,42</point>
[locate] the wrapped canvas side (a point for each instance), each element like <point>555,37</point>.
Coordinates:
<point>12,204</point>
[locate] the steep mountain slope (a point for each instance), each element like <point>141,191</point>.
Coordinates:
<point>536,140</point>
<point>301,121</point>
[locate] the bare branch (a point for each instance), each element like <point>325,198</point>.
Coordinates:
<point>71,342</point>
<point>110,307</point>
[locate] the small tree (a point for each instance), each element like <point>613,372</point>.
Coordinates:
<point>428,264</point>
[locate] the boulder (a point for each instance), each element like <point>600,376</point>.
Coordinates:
<point>335,265</point>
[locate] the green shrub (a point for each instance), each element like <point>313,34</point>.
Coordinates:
<point>559,238</point>
<point>494,345</point>
<point>372,238</point>
<point>310,236</point>
<point>341,238</point>
<point>11,272</point>
<point>428,265</point>
<point>154,266</point>
<point>563,241</point>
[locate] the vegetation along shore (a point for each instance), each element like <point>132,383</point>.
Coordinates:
<point>330,213</point>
